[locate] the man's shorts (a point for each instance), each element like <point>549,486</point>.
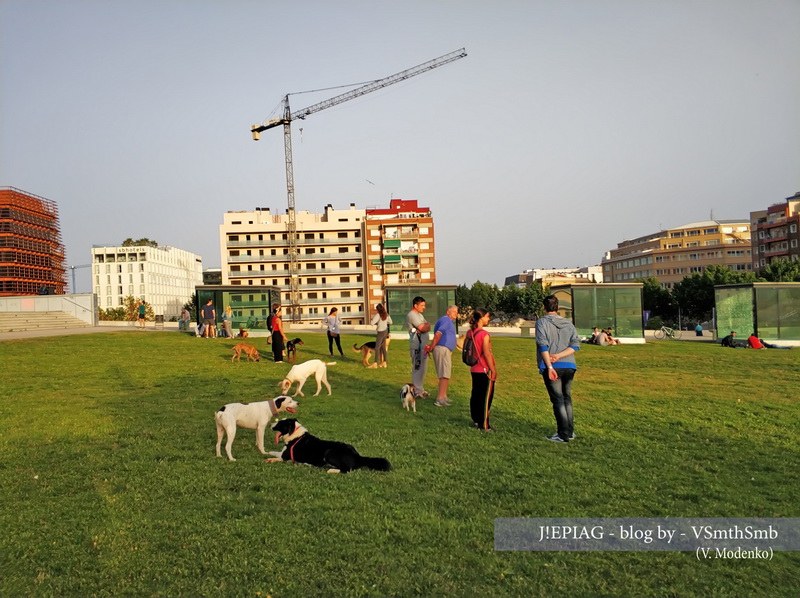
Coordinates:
<point>442,360</point>
<point>208,321</point>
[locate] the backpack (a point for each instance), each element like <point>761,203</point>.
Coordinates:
<point>269,321</point>
<point>469,354</point>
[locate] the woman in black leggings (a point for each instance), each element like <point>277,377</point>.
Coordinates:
<point>332,322</point>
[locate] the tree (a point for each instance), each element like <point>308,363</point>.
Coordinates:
<point>131,306</point>
<point>782,270</point>
<point>530,300</point>
<point>485,296</point>
<point>144,241</point>
<point>657,299</point>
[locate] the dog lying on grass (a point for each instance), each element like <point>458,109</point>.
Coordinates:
<point>367,350</point>
<point>300,373</point>
<point>252,416</point>
<point>249,350</point>
<point>302,447</point>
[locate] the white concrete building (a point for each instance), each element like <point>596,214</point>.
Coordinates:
<point>589,274</point>
<point>254,251</point>
<point>164,277</point>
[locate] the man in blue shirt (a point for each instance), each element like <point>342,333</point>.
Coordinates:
<point>442,347</point>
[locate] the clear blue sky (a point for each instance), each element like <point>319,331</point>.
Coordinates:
<point>571,126</point>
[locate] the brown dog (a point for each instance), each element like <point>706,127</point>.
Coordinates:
<point>366,350</point>
<point>249,350</point>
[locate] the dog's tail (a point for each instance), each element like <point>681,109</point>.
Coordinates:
<point>356,348</point>
<point>376,463</point>
<point>330,363</point>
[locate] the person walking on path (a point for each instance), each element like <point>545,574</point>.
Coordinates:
<point>418,335</point>
<point>278,337</point>
<point>142,313</point>
<point>484,372</point>
<point>333,323</point>
<point>442,347</point>
<point>209,319</point>
<point>381,320</point>
<point>556,344</point>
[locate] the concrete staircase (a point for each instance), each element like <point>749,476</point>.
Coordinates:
<point>38,320</point>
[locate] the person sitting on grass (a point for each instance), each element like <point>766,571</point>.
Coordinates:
<point>611,339</point>
<point>754,343</point>
<point>730,340</point>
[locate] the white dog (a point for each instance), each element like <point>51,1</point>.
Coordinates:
<point>300,374</point>
<point>253,416</point>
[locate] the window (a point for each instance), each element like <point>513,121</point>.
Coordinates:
<point>342,235</point>
<point>793,228</point>
<point>692,233</point>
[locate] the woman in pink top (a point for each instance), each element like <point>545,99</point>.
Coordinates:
<point>484,373</point>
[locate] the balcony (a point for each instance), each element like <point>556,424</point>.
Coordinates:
<point>285,242</point>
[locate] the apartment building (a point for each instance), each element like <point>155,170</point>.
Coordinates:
<point>31,251</point>
<point>399,247</point>
<point>586,274</point>
<point>671,255</point>
<point>775,232</point>
<point>165,277</point>
<point>255,252</point>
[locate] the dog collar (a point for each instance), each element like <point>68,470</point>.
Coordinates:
<point>272,407</point>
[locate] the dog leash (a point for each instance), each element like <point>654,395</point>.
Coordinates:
<point>291,448</point>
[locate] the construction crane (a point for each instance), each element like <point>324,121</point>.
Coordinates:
<point>286,121</point>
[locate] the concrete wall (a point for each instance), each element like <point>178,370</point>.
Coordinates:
<point>83,307</point>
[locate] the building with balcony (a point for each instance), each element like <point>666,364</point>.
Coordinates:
<point>165,277</point>
<point>399,248</point>
<point>671,255</point>
<point>775,232</point>
<point>255,252</point>
<point>31,251</point>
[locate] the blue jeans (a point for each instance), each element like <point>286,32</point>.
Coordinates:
<point>561,398</point>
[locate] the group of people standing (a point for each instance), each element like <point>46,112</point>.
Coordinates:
<point>557,341</point>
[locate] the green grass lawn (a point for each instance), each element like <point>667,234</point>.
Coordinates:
<point>110,486</point>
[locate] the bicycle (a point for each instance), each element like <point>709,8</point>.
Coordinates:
<point>667,332</point>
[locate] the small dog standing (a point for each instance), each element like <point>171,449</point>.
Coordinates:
<point>300,373</point>
<point>252,416</point>
<point>249,350</point>
<point>291,349</point>
<point>302,447</point>
<point>407,397</point>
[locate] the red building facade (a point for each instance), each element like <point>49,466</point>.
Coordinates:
<point>31,251</point>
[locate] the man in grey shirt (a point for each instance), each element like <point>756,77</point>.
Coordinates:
<point>418,329</point>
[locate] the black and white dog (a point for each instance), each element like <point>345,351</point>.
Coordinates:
<point>302,447</point>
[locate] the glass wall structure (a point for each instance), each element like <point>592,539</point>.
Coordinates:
<point>398,302</point>
<point>616,305</point>
<point>250,305</point>
<point>771,310</point>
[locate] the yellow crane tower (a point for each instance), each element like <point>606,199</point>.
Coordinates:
<point>286,121</point>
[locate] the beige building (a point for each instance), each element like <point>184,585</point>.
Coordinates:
<point>345,256</point>
<point>255,252</point>
<point>671,255</point>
